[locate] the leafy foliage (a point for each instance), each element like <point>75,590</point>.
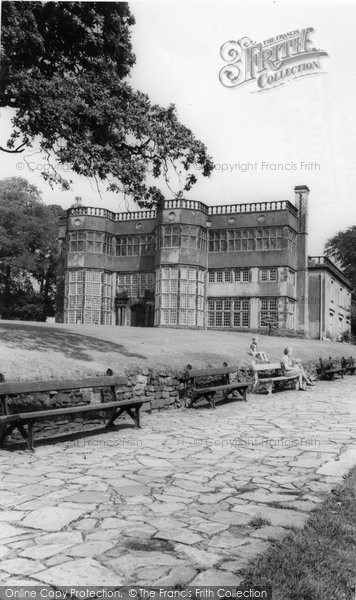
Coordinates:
<point>28,251</point>
<point>342,248</point>
<point>64,71</point>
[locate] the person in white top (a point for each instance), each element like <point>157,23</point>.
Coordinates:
<point>293,366</point>
<point>255,352</point>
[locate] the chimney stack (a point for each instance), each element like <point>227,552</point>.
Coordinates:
<point>301,202</point>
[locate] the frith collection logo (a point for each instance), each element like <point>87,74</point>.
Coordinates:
<point>270,63</point>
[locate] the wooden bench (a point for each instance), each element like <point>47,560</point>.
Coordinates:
<point>267,374</point>
<point>329,369</point>
<point>10,421</point>
<point>348,364</point>
<point>207,383</point>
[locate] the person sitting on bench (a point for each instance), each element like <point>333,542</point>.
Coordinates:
<point>291,366</point>
<point>255,352</point>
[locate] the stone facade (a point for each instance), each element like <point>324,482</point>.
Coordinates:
<point>329,300</point>
<point>186,264</point>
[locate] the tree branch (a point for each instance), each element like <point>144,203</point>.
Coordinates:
<point>17,150</point>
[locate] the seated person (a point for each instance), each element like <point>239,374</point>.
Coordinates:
<point>291,366</point>
<point>255,352</point>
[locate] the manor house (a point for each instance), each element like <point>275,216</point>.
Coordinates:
<point>187,264</point>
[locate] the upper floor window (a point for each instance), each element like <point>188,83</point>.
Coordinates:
<point>240,239</point>
<point>229,276</point>
<point>76,241</point>
<point>268,275</point>
<point>186,236</point>
<point>134,245</point>
<point>94,241</point>
<point>269,238</point>
<point>292,240</point>
<point>217,241</point>
<point>291,276</point>
<point>252,239</point>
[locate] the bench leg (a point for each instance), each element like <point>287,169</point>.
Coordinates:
<point>30,441</point>
<point>113,418</point>
<point>27,435</point>
<point>5,429</point>
<point>211,399</point>
<point>269,387</point>
<point>135,414</point>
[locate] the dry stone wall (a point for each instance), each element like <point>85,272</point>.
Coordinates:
<point>158,390</point>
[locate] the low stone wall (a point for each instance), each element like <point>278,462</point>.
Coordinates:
<point>158,390</point>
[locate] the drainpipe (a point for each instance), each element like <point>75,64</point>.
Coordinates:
<point>320,307</point>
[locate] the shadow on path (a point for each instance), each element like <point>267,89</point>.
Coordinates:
<point>72,345</point>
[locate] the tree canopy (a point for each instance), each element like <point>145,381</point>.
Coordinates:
<point>342,248</point>
<point>28,251</point>
<point>64,71</point>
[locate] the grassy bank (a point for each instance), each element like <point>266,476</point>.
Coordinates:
<point>319,561</point>
<point>33,350</point>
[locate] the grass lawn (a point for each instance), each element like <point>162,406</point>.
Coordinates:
<point>31,350</point>
<point>319,561</point>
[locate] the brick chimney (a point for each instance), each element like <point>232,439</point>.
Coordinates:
<point>301,201</point>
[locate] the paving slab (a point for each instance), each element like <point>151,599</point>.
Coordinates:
<point>78,571</point>
<point>175,508</point>
<point>52,518</point>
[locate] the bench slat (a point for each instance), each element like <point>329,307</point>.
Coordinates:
<point>230,386</point>
<point>279,378</point>
<point>43,414</point>
<point>30,387</point>
<point>266,367</point>
<point>192,373</point>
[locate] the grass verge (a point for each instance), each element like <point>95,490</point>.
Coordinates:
<point>319,561</point>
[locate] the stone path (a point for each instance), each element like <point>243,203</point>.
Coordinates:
<point>188,499</point>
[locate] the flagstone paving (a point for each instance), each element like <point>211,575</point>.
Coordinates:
<point>188,499</point>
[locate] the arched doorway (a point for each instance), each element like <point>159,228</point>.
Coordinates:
<point>137,315</point>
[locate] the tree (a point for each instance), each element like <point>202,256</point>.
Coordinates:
<point>28,251</point>
<point>64,72</point>
<point>342,248</point>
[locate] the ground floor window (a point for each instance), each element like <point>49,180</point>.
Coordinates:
<point>88,297</point>
<point>288,313</point>
<point>277,312</point>
<point>179,296</point>
<point>228,312</point>
<point>241,312</point>
<point>268,312</point>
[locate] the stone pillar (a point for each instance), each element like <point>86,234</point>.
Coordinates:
<point>254,274</point>
<point>113,297</point>
<point>254,313</point>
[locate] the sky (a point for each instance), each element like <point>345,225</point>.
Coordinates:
<point>307,120</point>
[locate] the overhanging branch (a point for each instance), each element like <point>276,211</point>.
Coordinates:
<point>17,150</point>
